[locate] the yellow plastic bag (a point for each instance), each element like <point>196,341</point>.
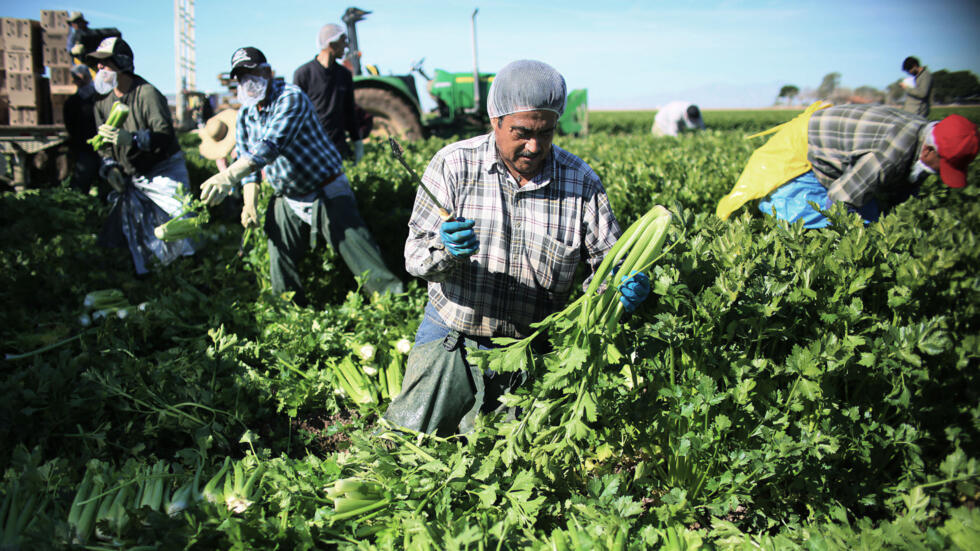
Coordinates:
<point>778,161</point>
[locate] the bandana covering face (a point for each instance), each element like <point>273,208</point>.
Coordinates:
<point>105,80</point>
<point>251,90</point>
<point>919,172</point>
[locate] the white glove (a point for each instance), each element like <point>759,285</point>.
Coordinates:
<point>116,179</point>
<point>250,216</point>
<point>358,151</point>
<point>116,136</point>
<point>219,186</point>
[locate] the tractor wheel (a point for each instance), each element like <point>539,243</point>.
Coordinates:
<point>392,115</point>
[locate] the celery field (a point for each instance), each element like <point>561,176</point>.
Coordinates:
<point>780,389</point>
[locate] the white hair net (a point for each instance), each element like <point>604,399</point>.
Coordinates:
<point>329,33</point>
<point>526,85</point>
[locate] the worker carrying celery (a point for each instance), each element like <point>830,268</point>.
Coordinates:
<point>141,158</point>
<point>524,214</point>
<point>278,133</point>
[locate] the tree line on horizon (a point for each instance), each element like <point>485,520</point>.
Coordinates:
<point>949,87</point>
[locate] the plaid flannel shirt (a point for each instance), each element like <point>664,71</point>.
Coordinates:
<point>857,150</point>
<point>532,238</point>
<point>285,137</point>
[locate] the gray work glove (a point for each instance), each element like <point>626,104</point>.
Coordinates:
<point>358,151</point>
<point>216,188</point>
<point>116,136</point>
<point>250,216</point>
<point>116,179</point>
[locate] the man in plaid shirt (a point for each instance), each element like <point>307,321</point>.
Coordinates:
<point>524,214</point>
<point>862,153</point>
<point>278,132</point>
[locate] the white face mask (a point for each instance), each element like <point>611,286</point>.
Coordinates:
<point>105,80</point>
<point>919,172</point>
<point>251,90</point>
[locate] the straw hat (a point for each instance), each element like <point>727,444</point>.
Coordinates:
<point>218,135</point>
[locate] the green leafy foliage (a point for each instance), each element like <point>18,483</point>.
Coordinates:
<point>781,388</point>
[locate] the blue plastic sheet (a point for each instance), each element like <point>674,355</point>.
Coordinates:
<point>791,202</point>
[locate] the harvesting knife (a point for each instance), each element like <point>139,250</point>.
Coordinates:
<point>396,150</point>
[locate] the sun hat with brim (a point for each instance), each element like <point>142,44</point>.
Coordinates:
<point>76,17</point>
<point>957,145</point>
<point>117,50</point>
<point>218,135</point>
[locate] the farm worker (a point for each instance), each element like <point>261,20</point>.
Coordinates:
<point>851,154</point>
<point>278,134</point>
<point>141,160</point>
<point>330,87</point>
<point>676,117</point>
<point>83,40</point>
<point>79,117</point>
<point>918,92</point>
<point>77,25</point>
<point>525,213</point>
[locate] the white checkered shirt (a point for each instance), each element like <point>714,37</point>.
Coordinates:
<point>532,238</point>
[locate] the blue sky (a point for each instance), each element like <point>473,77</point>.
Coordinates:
<point>630,55</point>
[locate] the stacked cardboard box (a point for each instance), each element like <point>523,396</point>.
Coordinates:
<point>54,25</point>
<point>23,85</point>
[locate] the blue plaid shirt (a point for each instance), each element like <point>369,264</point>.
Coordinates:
<point>283,135</point>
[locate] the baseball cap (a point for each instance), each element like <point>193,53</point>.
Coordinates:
<point>957,145</point>
<point>116,48</point>
<point>246,58</point>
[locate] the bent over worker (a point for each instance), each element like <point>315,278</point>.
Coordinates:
<point>525,214</point>
<point>869,157</point>
<point>278,131</point>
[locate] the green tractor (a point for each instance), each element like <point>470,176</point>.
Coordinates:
<point>460,98</point>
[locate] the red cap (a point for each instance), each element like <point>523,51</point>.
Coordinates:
<point>956,143</point>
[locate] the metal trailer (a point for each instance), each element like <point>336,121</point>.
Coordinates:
<point>31,147</point>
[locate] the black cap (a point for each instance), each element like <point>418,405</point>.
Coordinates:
<point>246,58</point>
<point>116,49</point>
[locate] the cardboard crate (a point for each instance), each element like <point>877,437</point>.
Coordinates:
<point>62,89</point>
<point>23,35</point>
<point>54,20</point>
<point>58,108</point>
<point>17,61</point>
<point>24,116</point>
<point>60,76</point>
<point>53,38</point>
<point>55,55</point>
<point>23,89</point>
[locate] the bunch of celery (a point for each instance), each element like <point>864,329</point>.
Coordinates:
<point>117,116</point>
<point>377,378</point>
<point>561,398</point>
<point>105,303</point>
<point>187,224</point>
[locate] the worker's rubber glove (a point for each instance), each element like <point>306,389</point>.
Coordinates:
<point>116,179</point>
<point>458,237</point>
<point>116,136</point>
<point>250,216</point>
<point>216,188</point>
<point>633,290</point>
<point>358,151</point>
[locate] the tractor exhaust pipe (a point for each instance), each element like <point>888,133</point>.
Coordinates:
<point>351,17</point>
<point>476,72</point>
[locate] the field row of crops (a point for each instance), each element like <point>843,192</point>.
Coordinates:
<point>782,388</point>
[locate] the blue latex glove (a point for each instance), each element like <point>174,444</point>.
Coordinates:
<point>633,290</point>
<point>458,237</point>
